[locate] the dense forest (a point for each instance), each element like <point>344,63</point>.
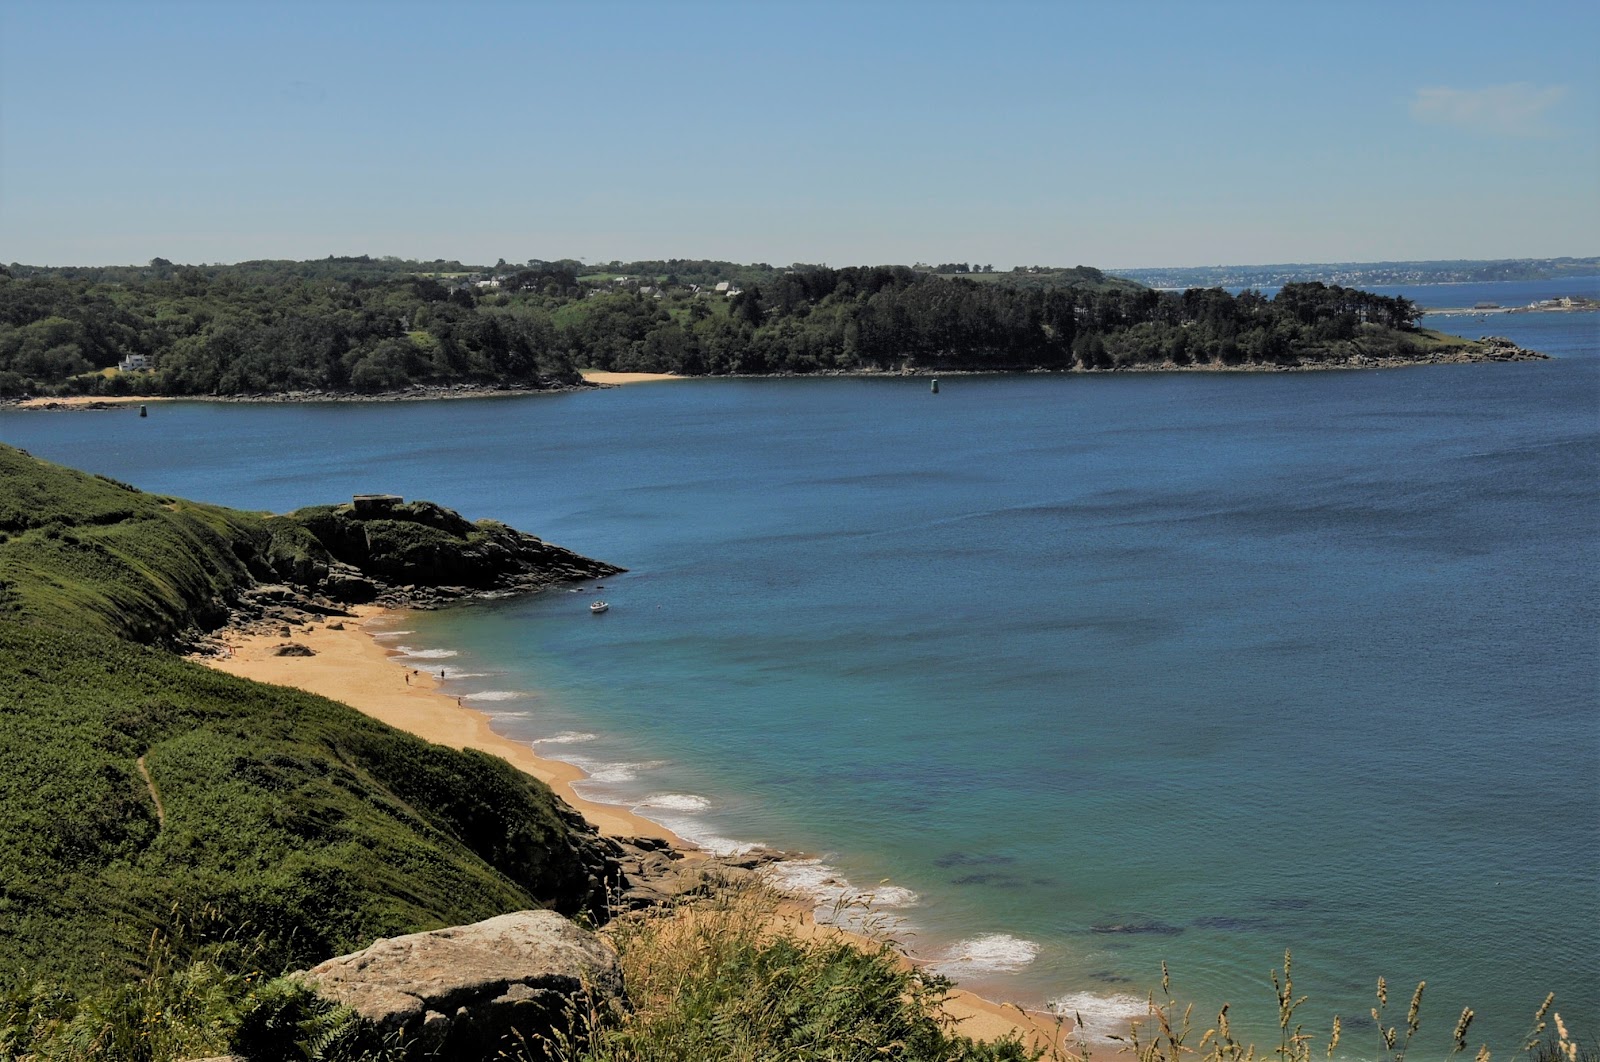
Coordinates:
<point>372,325</point>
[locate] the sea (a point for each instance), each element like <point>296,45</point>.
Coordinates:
<point>1052,679</point>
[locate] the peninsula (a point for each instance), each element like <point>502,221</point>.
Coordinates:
<point>353,328</point>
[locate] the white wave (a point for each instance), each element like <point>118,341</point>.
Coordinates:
<point>675,802</point>
<point>1103,1016</point>
<point>611,773</point>
<point>390,634</point>
<point>838,901</point>
<point>427,654</point>
<point>493,695</point>
<point>456,673</point>
<point>990,953</point>
<point>566,737</point>
<point>711,842</point>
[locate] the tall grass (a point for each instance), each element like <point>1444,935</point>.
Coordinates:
<point>1165,1034</point>
<point>724,978</point>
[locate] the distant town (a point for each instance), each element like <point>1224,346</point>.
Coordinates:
<point>1363,274</point>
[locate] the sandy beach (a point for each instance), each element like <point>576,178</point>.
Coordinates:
<point>85,401</point>
<point>350,665</point>
<point>613,379</point>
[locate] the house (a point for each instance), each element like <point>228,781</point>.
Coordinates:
<point>134,363</point>
<point>722,288</point>
<point>375,504</point>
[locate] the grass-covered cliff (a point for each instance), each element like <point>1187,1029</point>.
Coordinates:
<point>85,552</point>
<point>138,789</point>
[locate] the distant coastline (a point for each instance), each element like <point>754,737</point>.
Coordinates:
<point>1568,304</point>
<point>1465,352</point>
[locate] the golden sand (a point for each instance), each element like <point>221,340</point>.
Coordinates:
<point>79,401</point>
<point>611,379</point>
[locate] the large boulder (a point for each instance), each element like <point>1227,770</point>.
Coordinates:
<point>468,991</point>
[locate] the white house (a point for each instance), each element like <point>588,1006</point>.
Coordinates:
<point>134,363</point>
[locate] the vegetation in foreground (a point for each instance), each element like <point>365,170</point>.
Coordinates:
<point>1167,1034</point>
<point>354,325</point>
<point>712,978</point>
<point>720,979</point>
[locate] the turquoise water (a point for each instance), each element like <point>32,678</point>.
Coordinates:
<point>1091,672</point>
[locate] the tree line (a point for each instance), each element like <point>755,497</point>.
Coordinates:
<point>372,325</point>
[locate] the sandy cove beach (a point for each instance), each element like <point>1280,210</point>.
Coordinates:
<point>349,665</point>
<point>613,379</point>
<point>86,401</point>
<point>353,667</point>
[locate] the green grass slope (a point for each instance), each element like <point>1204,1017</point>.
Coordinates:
<point>138,790</point>
<point>285,814</point>
<point>87,552</point>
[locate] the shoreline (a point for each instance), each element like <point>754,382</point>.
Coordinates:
<point>350,665</point>
<point>594,379</point>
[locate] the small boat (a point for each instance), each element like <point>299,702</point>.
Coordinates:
<point>598,607</point>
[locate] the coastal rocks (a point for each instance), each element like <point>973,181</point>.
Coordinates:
<point>344,582</point>
<point>293,649</point>
<point>654,873</point>
<point>1499,348</point>
<point>463,992</point>
<point>421,555</point>
<point>314,563</point>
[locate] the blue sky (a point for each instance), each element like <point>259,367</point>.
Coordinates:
<point>1132,134</point>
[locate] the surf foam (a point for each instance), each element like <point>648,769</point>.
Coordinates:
<point>612,773</point>
<point>837,901</point>
<point>1103,1016</point>
<point>675,802</point>
<point>427,654</point>
<point>494,695</point>
<point>990,953</point>
<point>566,737</point>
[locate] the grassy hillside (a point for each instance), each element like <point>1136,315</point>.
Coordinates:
<point>87,552</point>
<point>284,814</point>
<point>138,790</point>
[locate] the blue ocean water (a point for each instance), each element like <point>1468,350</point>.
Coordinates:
<point>1076,674</point>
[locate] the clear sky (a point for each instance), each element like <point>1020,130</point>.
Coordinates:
<point>1111,134</point>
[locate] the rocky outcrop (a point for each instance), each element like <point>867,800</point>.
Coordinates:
<point>650,872</point>
<point>420,554</point>
<point>314,563</point>
<point>469,991</point>
<point>1499,348</point>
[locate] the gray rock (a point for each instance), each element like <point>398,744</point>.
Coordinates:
<point>460,992</point>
